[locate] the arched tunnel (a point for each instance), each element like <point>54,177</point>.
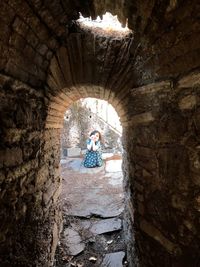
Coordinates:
<point>152,79</point>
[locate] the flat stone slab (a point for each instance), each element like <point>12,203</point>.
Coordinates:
<point>99,226</point>
<point>115,179</point>
<point>113,259</point>
<point>106,226</point>
<point>73,152</point>
<point>104,207</point>
<point>73,242</point>
<point>107,155</point>
<point>87,192</point>
<point>114,165</point>
<point>63,162</point>
<point>91,191</point>
<point>94,170</point>
<point>77,166</point>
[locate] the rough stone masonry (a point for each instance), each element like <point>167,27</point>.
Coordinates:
<point>151,77</point>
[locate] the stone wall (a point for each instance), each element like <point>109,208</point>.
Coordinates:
<point>164,168</point>
<point>166,36</point>
<point>59,65</point>
<point>29,178</point>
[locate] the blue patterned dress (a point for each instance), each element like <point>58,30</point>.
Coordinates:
<point>93,158</point>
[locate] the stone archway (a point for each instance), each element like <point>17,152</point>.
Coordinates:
<point>66,85</point>
<point>158,71</point>
<point>57,107</point>
<point>54,123</point>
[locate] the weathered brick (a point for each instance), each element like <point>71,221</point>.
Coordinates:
<point>11,157</point>
<point>188,102</point>
<point>150,230</point>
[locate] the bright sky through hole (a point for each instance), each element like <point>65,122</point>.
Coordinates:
<point>109,23</point>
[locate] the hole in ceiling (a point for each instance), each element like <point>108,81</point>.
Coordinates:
<point>108,25</point>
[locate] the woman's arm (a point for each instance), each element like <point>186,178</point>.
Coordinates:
<point>92,146</point>
<point>95,147</point>
<point>89,146</point>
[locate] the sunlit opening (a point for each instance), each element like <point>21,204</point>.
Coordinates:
<point>92,194</point>
<point>87,115</point>
<point>109,24</point>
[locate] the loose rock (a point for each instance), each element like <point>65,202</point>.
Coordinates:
<point>73,242</point>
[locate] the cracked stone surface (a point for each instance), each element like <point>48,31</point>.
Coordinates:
<point>113,259</point>
<point>106,226</point>
<point>73,242</point>
<point>93,204</point>
<point>99,226</point>
<point>98,191</point>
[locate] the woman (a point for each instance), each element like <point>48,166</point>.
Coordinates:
<point>93,157</point>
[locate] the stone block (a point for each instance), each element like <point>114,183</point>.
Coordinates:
<point>195,179</point>
<point>145,117</point>
<point>153,232</point>
<point>146,174</point>
<point>42,176</point>
<point>52,192</point>
<point>152,88</point>
<point>145,152</point>
<point>141,209</point>
<point>11,157</point>
<point>138,186</point>
<point>17,41</point>
<point>55,238</point>
<point>49,55</point>
<point>106,226</point>
<point>22,170</point>
<point>197,121</point>
<point>2,177</point>
<point>113,259</point>
<point>140,197</point>
<point>188,102</point>
<point>188,81</point>
<point>16,70</point>
<point>73,241</point>
<point>47,196</point>
<point>63,58</point>
<point>20,27</point>
<point>14,135</point>
<point>178,202</point>
<point>57,193</point>
<point>172,126</point>
<point>57,73</point>
<point>42,49</point>
<point>6,13</point>
<point>197,203</point>
<point>73,152</point>
<point>32,39</point>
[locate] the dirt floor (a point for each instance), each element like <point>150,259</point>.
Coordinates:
<point>93,204</point>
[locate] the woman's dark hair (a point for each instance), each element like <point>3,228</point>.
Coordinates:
<point>94,132</point>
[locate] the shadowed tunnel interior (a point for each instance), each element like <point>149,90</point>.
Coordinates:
<point>151,77</point>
